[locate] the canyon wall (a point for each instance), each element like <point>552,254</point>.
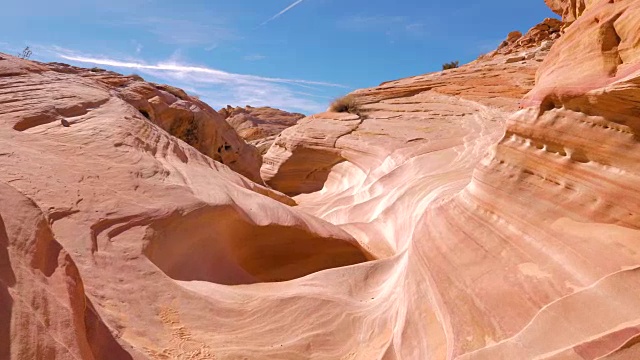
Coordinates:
<point>486,212</point>
<point>104,213</point>
<point>514,254</point>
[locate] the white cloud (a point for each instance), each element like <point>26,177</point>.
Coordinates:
<point>213,75</point>
<point>273,96</point>
<point>282,12</point>
<point>220,88</point>
<point>211,47</point>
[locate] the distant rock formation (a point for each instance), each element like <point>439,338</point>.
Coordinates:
<point>541,35</point>
<point>570,10</point>
<point>259,126</point>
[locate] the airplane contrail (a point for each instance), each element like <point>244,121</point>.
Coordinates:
<point>282,12</point>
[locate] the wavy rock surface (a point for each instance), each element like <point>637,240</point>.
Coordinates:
<point>97,199</point>
<point>409,117</point>
<point>490,243</point>
<point>44,311</point>
<point>534,254</point>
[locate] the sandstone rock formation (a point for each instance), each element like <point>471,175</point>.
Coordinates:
<point>543,34</point>
<point>114,207</point>
<point>499,202</point>
<point>44,311</point>
<point>412,116</point>
<point>574,149</point>
<point>570,10</point>
<point>183,116</point>
<point>259,126</point>
<point>532,254</point>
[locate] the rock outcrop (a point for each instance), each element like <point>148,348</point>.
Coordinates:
<point>541,35</point>
<point>570,10</point>
<point>183,116</point>
<point>408,116</point>
<point>575,149</point>
<point>97,199</point>
<point>529,251</point>
<point>499,203</point>
<point>259,126</point>
<point>44,311</point>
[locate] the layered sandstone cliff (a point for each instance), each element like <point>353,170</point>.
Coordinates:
<point>498,204</point>
<point>527,251</point>
<point>572,159</point>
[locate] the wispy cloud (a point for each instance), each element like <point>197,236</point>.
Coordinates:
<point>218,75</point>
<point>282,12</point>
<point>219,87</point>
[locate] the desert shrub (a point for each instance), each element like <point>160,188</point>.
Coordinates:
<point>348,104</point>
<point>450,65</point>
<point>25,54</point>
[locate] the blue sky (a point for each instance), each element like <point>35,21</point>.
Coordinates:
<point>292,54</point>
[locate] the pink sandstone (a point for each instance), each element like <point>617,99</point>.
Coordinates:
<point>486,212</point>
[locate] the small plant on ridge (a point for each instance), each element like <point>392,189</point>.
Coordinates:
<point>26,53</point>
<point>450,65</point>
<point>347,104</point>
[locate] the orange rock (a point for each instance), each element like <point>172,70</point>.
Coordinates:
<point>606,37</point>
<point>541,35</point>
<point>570,10</point>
